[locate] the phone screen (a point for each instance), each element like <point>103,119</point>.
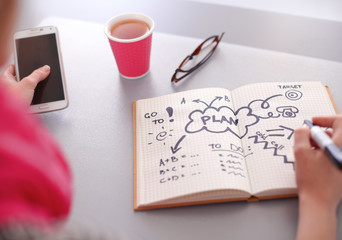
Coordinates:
<point>35,52</point>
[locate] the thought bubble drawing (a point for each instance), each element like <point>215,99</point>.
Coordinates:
<point>221,120</point>
<point>265,108</point>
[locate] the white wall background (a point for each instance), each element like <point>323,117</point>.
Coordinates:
<point>304,27</point>
<point>321,9</point>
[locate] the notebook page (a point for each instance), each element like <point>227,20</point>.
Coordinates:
<point>278,109</point>
<point>187,144</point>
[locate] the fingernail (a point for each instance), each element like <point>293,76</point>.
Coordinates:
<point>46,68</point>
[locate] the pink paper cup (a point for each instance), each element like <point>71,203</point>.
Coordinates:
<point>132,56</point>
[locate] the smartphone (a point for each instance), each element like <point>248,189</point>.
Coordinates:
<point>34,48</point>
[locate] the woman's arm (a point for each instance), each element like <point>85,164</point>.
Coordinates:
<point>35,179</point>
<point>319,183</point>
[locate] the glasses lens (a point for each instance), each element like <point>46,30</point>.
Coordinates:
<point>206,49</point>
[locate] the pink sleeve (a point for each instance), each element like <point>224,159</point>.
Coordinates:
<point>35,180</point>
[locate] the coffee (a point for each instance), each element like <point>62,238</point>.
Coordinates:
<point>130,37</point>
<point>129,29</point>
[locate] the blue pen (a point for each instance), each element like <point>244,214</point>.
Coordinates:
<point>325,143</point>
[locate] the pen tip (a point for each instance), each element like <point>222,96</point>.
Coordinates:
<point>308,122</point>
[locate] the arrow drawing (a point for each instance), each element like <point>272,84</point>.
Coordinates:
<point>212,102</point>
<point>217,98</point>
<point>177,148</point>
<point>290,129</point>
<point>282,128</point>
<point>200,101</point>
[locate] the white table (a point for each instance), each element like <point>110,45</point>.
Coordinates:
<point>95,132</point>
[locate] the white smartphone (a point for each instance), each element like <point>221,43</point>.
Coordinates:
<point>35,48</point>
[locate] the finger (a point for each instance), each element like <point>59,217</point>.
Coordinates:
<point>337,126</point>
<point>324,121</point>
<point>9,73</point>
<point>302,143</point>
<point>313,144</point>
<point>337,132</point>
<point>329,133</point>
<point>36,76</point>
<point>334,122</point>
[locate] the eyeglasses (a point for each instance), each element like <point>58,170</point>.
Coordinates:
<point>196,59</point>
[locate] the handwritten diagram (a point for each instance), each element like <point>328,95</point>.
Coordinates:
<point>222,119</point>
<point>287,111</point>
<point>230,158</point>
<point>293,95</point>
<point>176,148</point>
<point>177,167</point>
<point>162,134</point>
<point>269,141</point>
<point>180,123</point>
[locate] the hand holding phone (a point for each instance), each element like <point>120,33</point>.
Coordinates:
<point>27,86</point>
<point>35,48</point>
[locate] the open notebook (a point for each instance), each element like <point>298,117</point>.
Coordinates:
<point>213,145</point>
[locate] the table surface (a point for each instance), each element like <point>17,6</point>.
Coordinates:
<point>95,132</point>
